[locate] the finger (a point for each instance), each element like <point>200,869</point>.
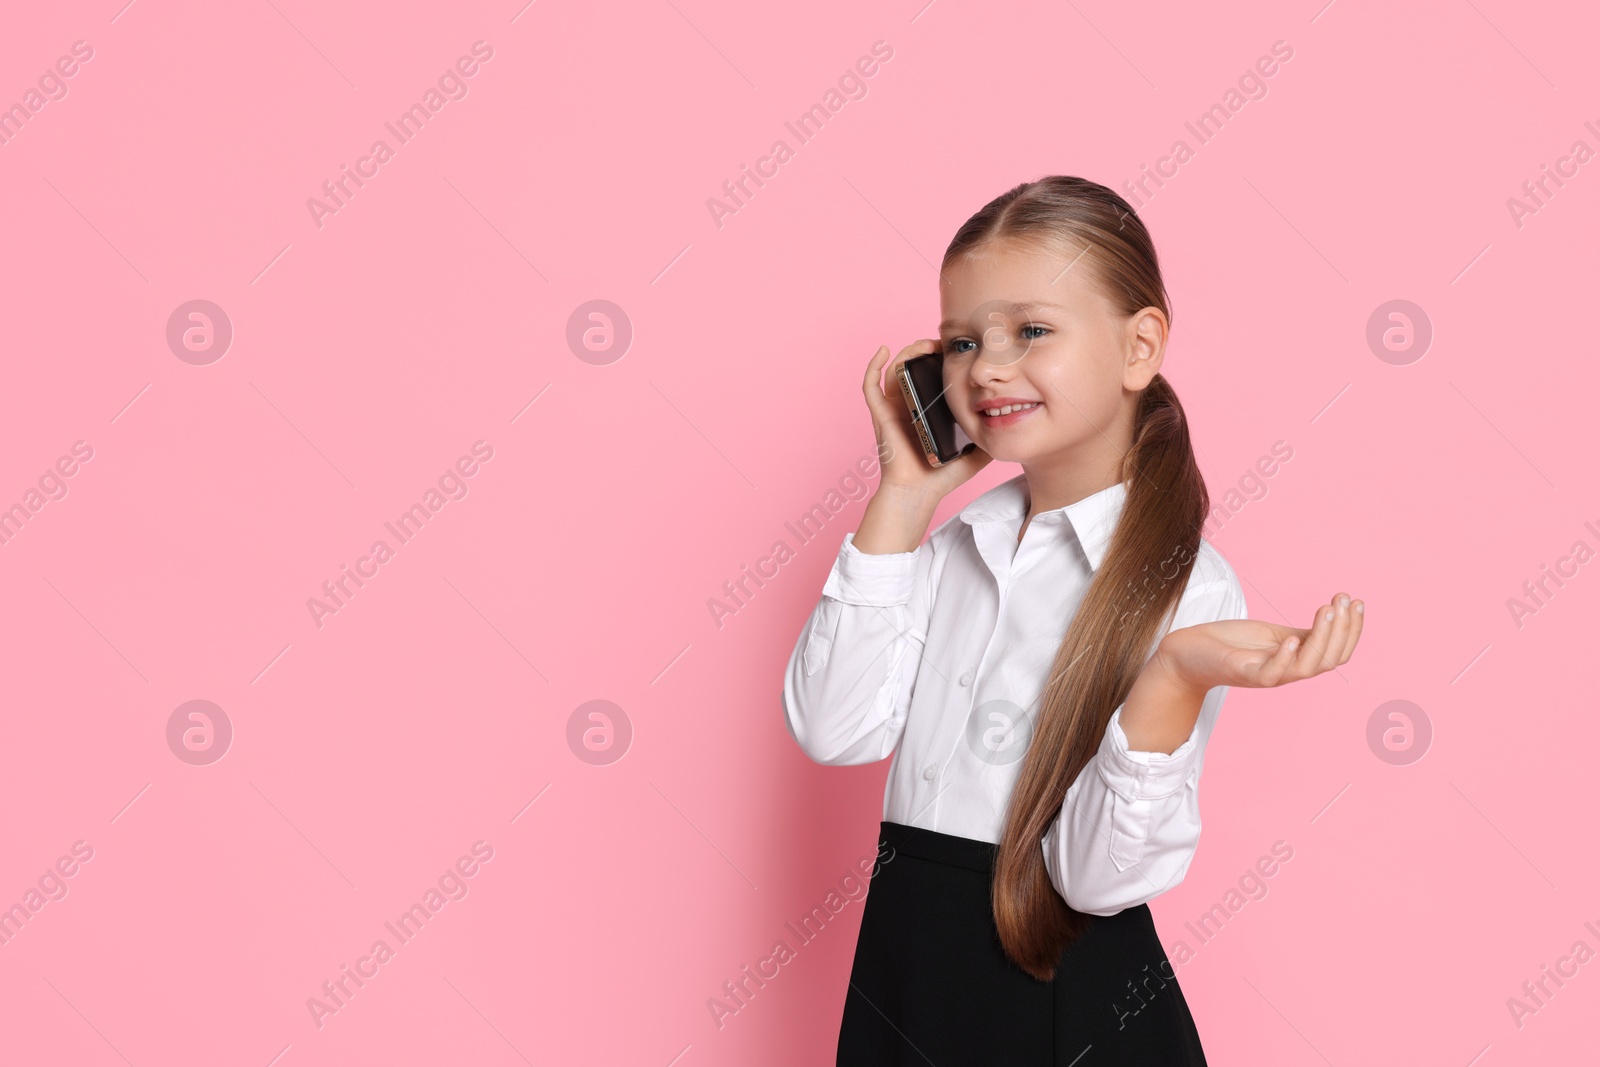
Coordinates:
<point>1357,617</point>
<point>923,347</point>
<point>873,382</point>
<point>915,348</point>
<point>884,402</point>
<point>1339,631</point>
<point>1313,657</point>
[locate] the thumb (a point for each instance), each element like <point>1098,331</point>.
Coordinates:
<point>1283,659</point>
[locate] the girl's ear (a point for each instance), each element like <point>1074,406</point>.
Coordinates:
<point>1146,346</point>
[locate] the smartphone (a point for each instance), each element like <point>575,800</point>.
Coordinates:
<point>922,385</point>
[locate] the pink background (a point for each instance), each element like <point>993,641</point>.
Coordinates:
<point>431,311</point>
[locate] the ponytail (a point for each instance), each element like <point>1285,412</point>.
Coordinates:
<point>1134,590</point>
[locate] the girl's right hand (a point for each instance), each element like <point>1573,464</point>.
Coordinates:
<point>903,466</point>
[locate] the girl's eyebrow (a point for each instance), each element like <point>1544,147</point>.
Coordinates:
<point>1015,309</point>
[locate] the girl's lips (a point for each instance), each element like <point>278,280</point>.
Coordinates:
<point>1008,420</point>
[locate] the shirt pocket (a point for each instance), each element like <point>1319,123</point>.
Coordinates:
<point>819,643</point>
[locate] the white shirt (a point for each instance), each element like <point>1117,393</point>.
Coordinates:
<point>939,657</point>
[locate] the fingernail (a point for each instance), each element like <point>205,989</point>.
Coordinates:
<point>1327,616</point>
<point>1344,601</point>
<point>1359,606</point>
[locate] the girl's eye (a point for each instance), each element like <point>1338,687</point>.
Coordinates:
<point>1030,332</point>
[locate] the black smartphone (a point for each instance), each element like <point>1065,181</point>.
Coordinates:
<point>922,385</point>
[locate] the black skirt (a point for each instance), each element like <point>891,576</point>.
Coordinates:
<point>931,984</point>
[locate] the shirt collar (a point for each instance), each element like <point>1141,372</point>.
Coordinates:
<point>1093,519</point>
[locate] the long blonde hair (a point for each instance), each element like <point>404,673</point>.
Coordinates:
<point>1137,584</point>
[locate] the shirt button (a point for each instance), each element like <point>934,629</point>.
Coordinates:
<point>966,679</point>
<point>933,769</point>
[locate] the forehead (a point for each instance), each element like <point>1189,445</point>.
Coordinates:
<point>1014,277</point>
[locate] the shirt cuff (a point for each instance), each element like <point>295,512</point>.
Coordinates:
<point>871,579</point>
<point>1143,775</point>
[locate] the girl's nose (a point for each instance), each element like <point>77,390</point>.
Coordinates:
<point>1005,354</point>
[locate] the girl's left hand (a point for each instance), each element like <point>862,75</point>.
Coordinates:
<point>1255,654</point>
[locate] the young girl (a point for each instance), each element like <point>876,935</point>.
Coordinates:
<point>1045,669</point>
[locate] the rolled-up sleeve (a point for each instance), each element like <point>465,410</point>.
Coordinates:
<point>848,684</point>
<point>1130,823</point>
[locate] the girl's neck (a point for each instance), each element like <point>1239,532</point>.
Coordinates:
<point>1078,471</point>
<point>1047,491</point>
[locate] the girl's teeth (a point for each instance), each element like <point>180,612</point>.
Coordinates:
<point>1008,409</point>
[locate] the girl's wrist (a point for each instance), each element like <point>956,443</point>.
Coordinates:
<point>1161,709</point>
<point>1171,676</point>
<point>911,498</point>
<point>1163,705</point>
<point>896,520</point>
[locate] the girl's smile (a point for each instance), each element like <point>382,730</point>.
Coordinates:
<point>1004,410</point>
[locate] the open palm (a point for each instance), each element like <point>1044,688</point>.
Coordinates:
<point>1256,654</point>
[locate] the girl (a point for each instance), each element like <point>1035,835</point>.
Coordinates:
<point>1045,669</point>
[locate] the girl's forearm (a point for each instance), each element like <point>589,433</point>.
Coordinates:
<point>1160,712</point>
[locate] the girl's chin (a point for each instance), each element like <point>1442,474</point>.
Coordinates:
<point>1008,452</point>
<point>995,440</point>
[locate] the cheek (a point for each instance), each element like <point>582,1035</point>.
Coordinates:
<point>1079,390</point>
<point>1061,377</point>
<point>956,389</point>
<point>956,396</point>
